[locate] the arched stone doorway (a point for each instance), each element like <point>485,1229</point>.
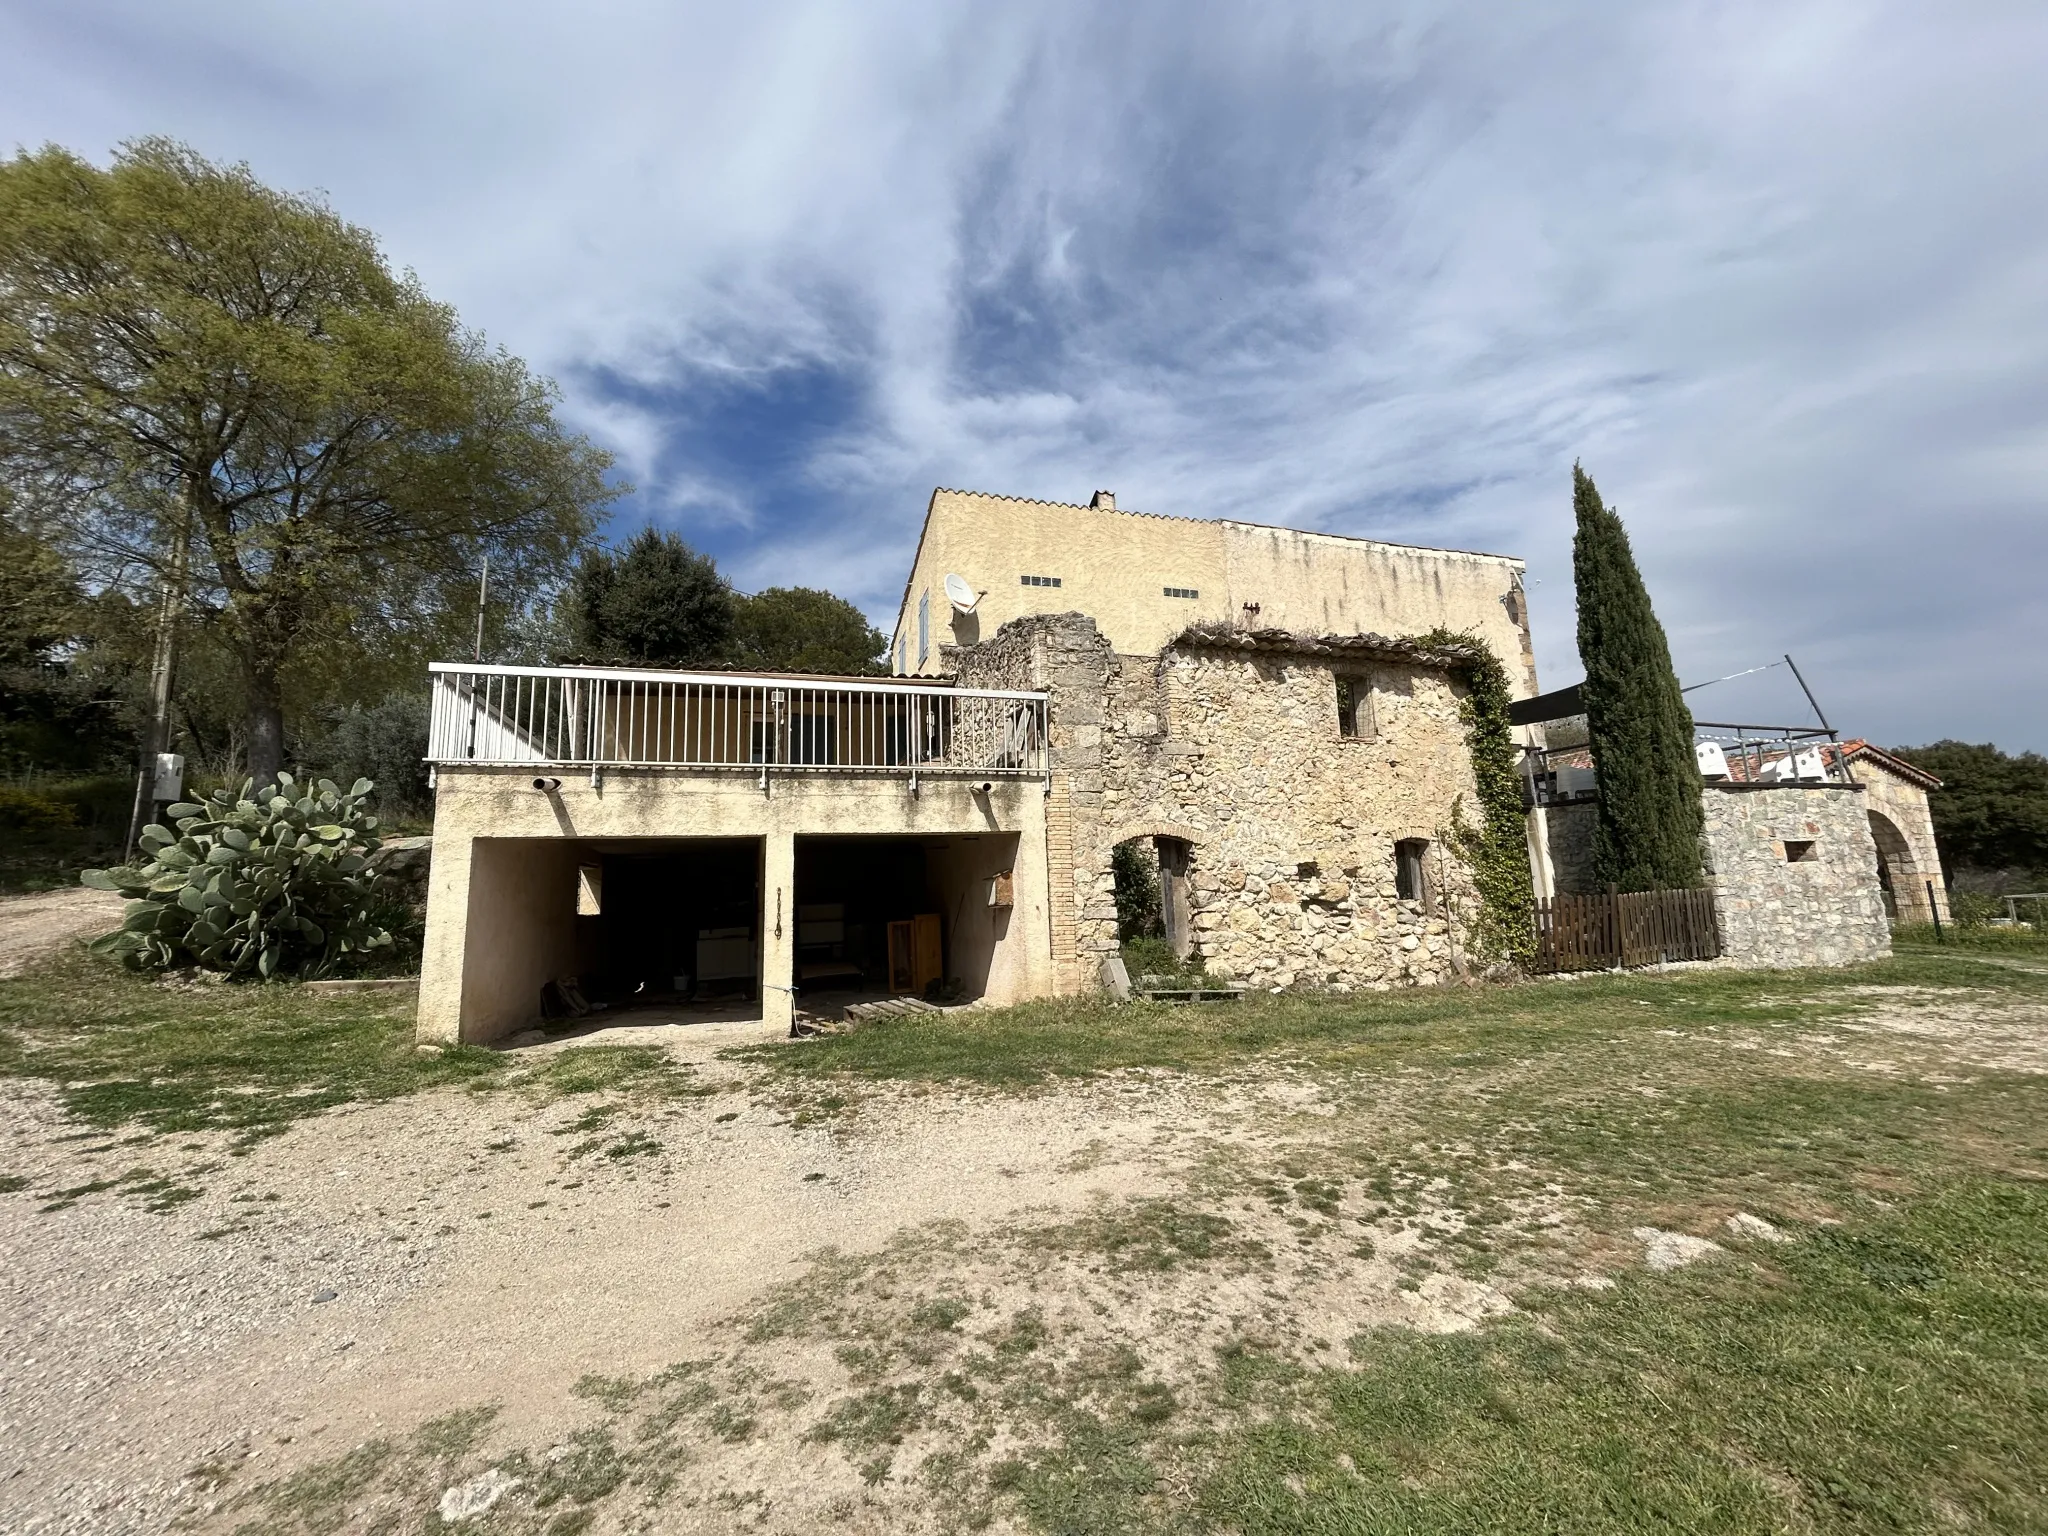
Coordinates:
<point>1150,872</point>
<point>1905,891</point>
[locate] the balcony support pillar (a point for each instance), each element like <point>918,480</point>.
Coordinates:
<point>778,928</point>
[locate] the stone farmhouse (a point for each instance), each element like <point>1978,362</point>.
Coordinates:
<point>1251,702</point>
<point>1258,708</point>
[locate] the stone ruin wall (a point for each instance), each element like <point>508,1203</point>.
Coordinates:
<point>1824,911</point>
<point>1292,827</point>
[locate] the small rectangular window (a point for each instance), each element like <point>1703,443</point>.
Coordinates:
<point>1356,718</point>
<point>1182,592</point>
<point>1800,852</point>
<point>924,627</point>
<point>1039,581</point>
<point>1411,875</point>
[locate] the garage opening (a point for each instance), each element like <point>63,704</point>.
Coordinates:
<point>677,920</point>
<point>883,917</point>
<point>557,927</point>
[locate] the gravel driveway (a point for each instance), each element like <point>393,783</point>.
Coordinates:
<point>31,926</point>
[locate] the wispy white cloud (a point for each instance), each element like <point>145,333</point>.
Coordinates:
<point>1778,275</point>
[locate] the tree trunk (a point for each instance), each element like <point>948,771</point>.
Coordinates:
<point>266,726</point>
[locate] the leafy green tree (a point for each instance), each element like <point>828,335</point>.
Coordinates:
<point>40,604</point>
<point>1991,812</point>
<point>227,391</point>
<point>55,713</point>
<point>385,742</point>
<point>656,603</point>
<point>1650,818</point>
<point>801,629</point>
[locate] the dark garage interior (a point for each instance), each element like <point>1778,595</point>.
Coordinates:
<point>676,920</point>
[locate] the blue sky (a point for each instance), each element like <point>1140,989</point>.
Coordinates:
<point>1777,274</point>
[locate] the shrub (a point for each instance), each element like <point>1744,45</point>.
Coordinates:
<point>269,886</point>
<point>1974,909</point>
<point>1153,956</point>
<point>23,810</point>
<point>1134,865</point>
<point>385,742</point>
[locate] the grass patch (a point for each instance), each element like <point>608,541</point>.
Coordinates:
<point>126,1051</point>
<point>1036,1044</point>
<point>1147,1235</point>
<point>1886,1377</point>
<point>1977,938</point>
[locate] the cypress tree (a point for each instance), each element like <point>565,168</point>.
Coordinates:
<point>1650,819</point>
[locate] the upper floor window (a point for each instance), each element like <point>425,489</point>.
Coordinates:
<point>1356,716</point>
<point>1038,581</point>
<point>1182,592</point>
<point>924,627</point>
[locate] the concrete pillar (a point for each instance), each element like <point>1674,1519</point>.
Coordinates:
<point>778,928</point>
<point>441,956</point>
<point>1536,827</point>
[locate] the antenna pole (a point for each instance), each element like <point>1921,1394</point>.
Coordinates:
<point>1818,713</point>
<point>484,594</point>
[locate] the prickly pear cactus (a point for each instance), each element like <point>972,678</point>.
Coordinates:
<point>260,885</point>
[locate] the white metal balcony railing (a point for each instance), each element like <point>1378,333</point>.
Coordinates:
<point>1727,754</point>
<point>574,717</point>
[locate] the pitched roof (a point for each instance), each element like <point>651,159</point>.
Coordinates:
<point>1859,750</point>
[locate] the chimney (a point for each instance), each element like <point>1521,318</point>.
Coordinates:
<point>1104,501</point>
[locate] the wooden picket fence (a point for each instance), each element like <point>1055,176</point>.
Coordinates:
<point>1583,933</point>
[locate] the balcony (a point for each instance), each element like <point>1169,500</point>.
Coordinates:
<point>728,722</point>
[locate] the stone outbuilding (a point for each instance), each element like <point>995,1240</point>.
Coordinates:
<point>1793,868</point>
<point>1902,826</point>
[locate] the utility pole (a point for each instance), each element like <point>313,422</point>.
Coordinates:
<point>163,667</point>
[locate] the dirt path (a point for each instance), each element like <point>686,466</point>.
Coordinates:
<point>219,1321</point>
<point>473,1257</point>
<point>31,926</point>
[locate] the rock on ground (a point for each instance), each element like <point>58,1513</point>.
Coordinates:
<point>1673,1250</point>
<point>1742,1224</point>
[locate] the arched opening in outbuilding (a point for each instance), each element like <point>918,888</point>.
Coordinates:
<point>1897,875</point>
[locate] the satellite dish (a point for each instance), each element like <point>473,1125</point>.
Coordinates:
<point>960,594</point>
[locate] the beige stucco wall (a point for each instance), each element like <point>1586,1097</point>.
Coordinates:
<point>518,905</point>
<point>1114,567</point>
<point>500,911</point>
<point>1319,584</point>
<point>1903,804</point>
<point>977,934</point>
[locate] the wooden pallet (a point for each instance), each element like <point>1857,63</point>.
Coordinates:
<point>807,1025</point>
<point>889,1008</point>
<point>1189,994</point>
